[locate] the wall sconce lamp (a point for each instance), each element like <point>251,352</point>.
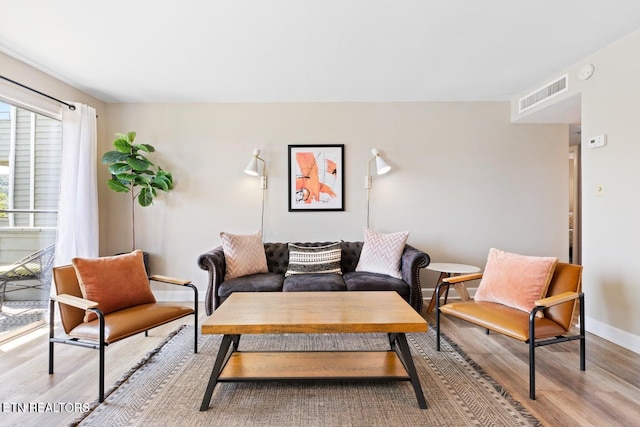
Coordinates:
<point>381,168</point>
<point>253,169</point>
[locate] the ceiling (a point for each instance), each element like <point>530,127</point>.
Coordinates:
<point>309,51</point>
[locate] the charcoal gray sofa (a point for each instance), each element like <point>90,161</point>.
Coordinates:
<point>278,259</point>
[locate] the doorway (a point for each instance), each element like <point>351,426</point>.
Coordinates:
<point>575,203</point>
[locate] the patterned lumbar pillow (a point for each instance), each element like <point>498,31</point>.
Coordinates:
<point>244,254</point>
<point>381,253</point>
<point>319,259</point>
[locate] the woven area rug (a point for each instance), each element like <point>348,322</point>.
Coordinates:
<point>15,314</point>
<point>167,388</point>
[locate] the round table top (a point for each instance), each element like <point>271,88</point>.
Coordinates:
<point>447,267</point>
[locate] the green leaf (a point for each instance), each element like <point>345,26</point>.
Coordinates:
<point>161,183</point>
<point>118,168</point>
<point>113,157</point>
<point>142,180</point>
<point>131,136</point>
<point>145,147</point>
<point>138,164</point>
<point>122,145</point>
<point>126,178</point>
<point>166,176</point>
<point>116,185</point>
<point>145,198</point>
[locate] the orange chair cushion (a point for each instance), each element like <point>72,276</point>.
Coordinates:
<point>516,281</point>
<point>114,282</point>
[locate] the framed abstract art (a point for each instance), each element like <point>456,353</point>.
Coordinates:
<point>316,177</point>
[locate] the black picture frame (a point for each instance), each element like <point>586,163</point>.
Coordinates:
<point>316,178</point>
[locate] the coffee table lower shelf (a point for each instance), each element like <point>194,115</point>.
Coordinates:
<point>310,365</point>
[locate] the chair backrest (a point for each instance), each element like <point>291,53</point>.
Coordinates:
<point>566,277</point>
<point>66,282</point>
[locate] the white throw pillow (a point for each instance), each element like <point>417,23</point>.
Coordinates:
<point>381,253</point>
<point>244,254</point>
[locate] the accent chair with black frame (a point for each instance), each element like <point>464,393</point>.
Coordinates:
<point>564,294</point>
<point>102,328</point>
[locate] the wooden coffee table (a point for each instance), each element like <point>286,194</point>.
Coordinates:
<point>314,313</point>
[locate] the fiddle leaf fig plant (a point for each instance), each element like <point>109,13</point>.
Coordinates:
<point>132,172</point>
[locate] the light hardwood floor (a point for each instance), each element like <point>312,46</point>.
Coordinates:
<point>607,394</point>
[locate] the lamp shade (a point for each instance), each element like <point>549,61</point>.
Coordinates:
<point>381,166</point>
<point>252,167</point>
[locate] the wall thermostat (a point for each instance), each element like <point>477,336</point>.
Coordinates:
<point>597,141</point>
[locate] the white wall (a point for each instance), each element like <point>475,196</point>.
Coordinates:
<point>610,228</point>
<point>464,178</point>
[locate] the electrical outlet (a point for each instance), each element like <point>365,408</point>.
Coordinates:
<point>600,190</point>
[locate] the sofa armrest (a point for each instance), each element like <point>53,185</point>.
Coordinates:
<point>213,262</point>
<point>411,262</point>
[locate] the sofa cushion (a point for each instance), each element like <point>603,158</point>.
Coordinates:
<point>114,282</point>
<point>314,259</point>
<point>243,254</point>
<point>364,281</point>
<point>261,282</point>
<point>381,253</point>
<point>314,282</point>
<point>514,280</point>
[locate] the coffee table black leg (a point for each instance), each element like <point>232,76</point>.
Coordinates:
<point>405,353</point>
<point>217,368</point>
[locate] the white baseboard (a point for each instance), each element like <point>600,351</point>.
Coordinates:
<point>615,335</point>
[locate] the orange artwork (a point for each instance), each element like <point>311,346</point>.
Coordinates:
<point>316,178</point>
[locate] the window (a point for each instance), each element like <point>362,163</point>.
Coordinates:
<point>30,166</point>
<point>30,148</point>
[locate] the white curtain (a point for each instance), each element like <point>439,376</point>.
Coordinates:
<point>78,202</point>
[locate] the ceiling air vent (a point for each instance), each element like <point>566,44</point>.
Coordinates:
<point>549,90</point>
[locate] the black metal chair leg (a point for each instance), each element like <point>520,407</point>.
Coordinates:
<point>582,335</point>
<point>52,306</point>
<point>101,347</point>
<point>195,313</point>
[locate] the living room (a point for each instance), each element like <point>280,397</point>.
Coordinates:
<point>467,174</point>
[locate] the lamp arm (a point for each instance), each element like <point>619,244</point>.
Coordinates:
<point>367,178</point>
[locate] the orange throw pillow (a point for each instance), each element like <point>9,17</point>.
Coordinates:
<point>516,281</point>
<point>114,282</point>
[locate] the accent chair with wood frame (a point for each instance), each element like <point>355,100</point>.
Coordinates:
<point>111,327</point>
<point>558,309</point>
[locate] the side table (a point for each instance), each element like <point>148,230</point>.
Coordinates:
<point>447,269</point>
